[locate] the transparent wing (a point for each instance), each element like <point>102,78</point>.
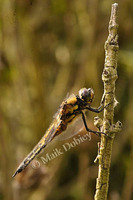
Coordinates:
<point>72,129</point>
<point>66,98</point>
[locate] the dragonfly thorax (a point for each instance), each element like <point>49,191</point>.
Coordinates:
<point>86,95</point>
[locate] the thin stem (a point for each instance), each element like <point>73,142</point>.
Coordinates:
<point>109,77</point>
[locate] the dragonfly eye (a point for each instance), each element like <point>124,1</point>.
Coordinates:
<point>86,94</point>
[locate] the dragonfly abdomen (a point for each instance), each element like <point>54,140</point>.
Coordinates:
<point>41,144</point>
<point>29,158</point>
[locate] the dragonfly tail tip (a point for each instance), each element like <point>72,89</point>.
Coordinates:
<point>14,174</point>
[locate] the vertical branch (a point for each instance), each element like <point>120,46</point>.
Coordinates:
<point>109,77</point>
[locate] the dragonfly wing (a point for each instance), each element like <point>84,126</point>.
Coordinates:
<point>72,129</point>
<point>66,98</point>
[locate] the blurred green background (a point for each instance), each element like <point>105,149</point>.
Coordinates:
<point>47,49</point>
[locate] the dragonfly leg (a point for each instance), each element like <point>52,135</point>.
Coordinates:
<point>99,109</point>
<point>89,130</point>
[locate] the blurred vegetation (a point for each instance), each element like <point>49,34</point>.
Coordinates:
<point>47,49</point>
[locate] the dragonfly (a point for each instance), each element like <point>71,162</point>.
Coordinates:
<point>69,110</point>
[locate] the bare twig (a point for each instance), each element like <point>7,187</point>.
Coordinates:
<point>109,77</point>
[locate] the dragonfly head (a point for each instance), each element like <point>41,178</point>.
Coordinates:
<point>86,95</point>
